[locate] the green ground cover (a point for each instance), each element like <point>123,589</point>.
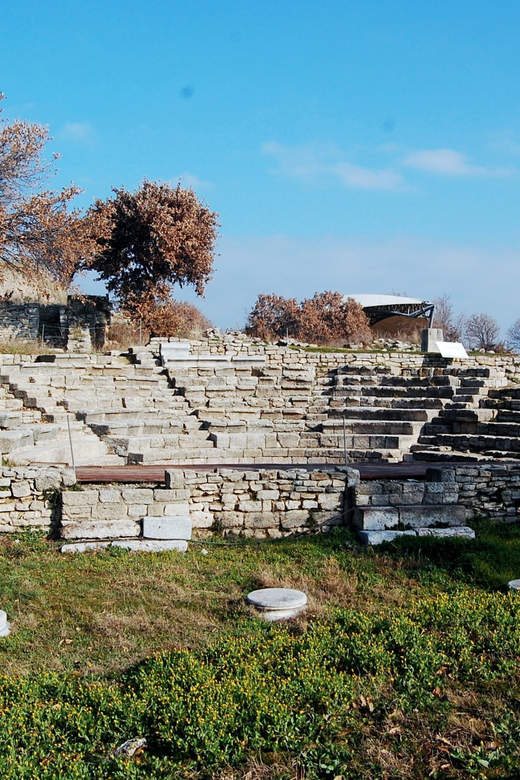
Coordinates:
<point>406,665</point>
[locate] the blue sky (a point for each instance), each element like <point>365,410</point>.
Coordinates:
<point>355,146</point>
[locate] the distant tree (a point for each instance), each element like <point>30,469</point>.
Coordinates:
<point>151,240</point>
<point>324,319</point>
<point>37,229</point>
<point>513,335</point>
<point>444,317</point>
<point>482,331</point>
<point>328,319</point>
<point>273,317</point>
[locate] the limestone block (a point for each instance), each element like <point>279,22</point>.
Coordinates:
<point>84,546</point>
<point>20,489</point>
<point>108,512</point>
<point>268,495</point>
<point>376,518</point>
<point>201,518</point>
<point>7,506</point>
<point>100,529</point>
<point>152,545</point>
<point>462,530</point>
<point>167,527</point>
<point>247,505</point>
<point>294,518</point>
<point>109,496</point>
<point>425,516</point>
<point>47,480</point>
<point>230,475</point>
<point>378,537</point>
<point>174,478</point>
<point>262,520</point>
<point>79,498</point>
<point>138,510</point>
<point>138,496</point>
<point>177,509</point>
<point>329,501</point>
<point>171,495</point>
<point>230,519</point>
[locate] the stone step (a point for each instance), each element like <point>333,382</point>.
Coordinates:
<point>373,427</point>
<point>478,442</point>
<point>374,538</point>
<point>409,516</point>
<point>371,413</point>
<point>354,455</point>
<point>397,392</point>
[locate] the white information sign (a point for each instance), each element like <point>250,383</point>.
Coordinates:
<point>452,349</point>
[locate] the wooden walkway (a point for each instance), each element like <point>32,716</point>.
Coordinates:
<point>148,474</point>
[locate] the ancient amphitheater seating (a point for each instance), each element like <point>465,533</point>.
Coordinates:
<point>490,430</point>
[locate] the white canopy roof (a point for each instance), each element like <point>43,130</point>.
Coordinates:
<point>371,299</point>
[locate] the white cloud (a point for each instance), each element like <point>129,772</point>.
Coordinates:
<point>448,162</point>
<point>506,142</point>
<point>190,180</point>
<point>80,132</point>
<point>319,162</point>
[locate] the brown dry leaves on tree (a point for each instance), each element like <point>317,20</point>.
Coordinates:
<point>150,240</point>
<point>37,229</point>
<point>325,319</point>
<point>166,318</point>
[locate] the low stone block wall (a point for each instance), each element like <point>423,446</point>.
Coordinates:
<point>385,492</point>
<point>238,344</point>
<point>488,489</point>
<point>256,503</point>
<point>29,497</point>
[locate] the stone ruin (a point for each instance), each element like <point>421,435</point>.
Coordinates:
<point>282,429</point>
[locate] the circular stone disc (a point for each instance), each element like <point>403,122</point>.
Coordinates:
<point>3,619</point>
<point>514,584</point>
<point>277,598</point>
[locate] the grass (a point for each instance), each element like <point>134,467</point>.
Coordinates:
<point>406,664</point>
<point>24,347</point>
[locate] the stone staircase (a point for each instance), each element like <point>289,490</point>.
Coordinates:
<point>380,415</point>
<point>35,427</point>
<point>130,408</point>
<point>482,422</point>
<point>383,510</point>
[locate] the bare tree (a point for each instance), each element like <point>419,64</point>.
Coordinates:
<point>37,228</point>
<point>482,331</point>
<point>444,317</point>
<point>513,335</point>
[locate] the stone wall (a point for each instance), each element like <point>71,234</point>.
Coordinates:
<point>487,489</point>
<point>19,321</point>
<point>398,363</point>
<point>53,322</point>
<point>29,497</point>
<point>263,503</point>
<point>252,503</point>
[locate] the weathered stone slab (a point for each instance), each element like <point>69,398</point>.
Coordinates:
<point>430,515</point>
<point>152,545</point>
<point>461,530</point>
<point>370,518</point>
<point>100,530</point>
<point>84,546</point>
<point>378,537</point>
<point>168,527</point>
